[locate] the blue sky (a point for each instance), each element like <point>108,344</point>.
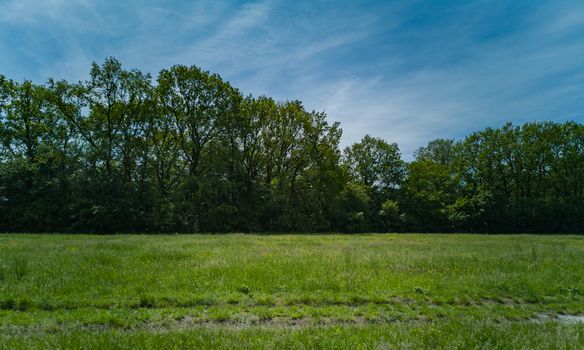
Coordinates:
<point>407,71</point>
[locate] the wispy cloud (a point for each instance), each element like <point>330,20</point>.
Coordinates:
<point>32,12</point>
<point>406,71</point>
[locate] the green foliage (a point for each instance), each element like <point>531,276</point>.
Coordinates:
<point>376,166</point>
<point>355,203</point>
<point>375,163</point>
<point>390,216</point>
<point>429,190</point>
<point>188,152</point>
<point>523,178</point>
<point>439,151</point>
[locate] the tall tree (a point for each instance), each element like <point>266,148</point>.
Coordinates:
<point>375,163</point>
<point>378,166</point>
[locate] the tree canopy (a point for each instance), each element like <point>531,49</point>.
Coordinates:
<point>188,152</point>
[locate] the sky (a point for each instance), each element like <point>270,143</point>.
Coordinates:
<point>405,71</point>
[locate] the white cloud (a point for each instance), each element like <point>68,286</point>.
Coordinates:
<point>409,85</point>
<point>46,13</point>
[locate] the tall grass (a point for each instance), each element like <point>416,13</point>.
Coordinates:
<point>151,289</point>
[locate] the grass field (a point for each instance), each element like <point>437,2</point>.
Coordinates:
<point>291,291</point>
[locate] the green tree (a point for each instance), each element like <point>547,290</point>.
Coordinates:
<point>375,163</point>
<point>440,151</point>
<point>430,188</point>
<point>378,166</point>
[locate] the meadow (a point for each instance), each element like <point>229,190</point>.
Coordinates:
<point>366,291</point>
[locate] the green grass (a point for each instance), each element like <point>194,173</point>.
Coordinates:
<point>291,291</point>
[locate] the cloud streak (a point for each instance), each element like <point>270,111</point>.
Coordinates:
<point>406,71</point>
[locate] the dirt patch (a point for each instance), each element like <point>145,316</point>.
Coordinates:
<point>189,322</point>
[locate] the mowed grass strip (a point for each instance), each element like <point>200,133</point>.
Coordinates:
<point>140,287</point>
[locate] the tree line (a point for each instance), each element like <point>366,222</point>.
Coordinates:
<point>188,152</point>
